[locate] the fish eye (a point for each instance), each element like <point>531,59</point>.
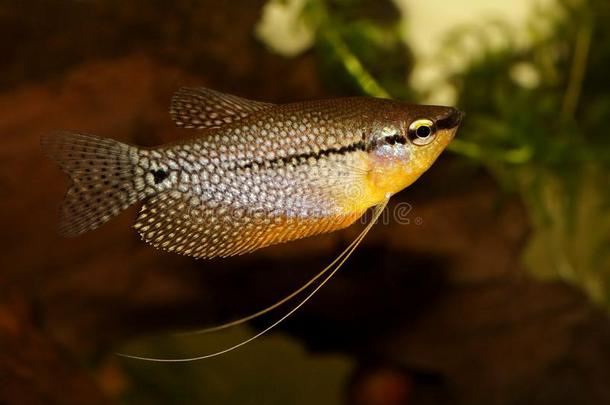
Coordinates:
<point>422,131</point>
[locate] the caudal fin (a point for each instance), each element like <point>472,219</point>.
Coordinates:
<point>104,179</point>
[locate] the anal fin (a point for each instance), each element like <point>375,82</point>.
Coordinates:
<point>176,222</point>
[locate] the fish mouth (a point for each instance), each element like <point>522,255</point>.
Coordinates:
<point>452,120</point>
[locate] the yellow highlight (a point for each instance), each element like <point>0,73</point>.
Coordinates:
<point>387,175</point>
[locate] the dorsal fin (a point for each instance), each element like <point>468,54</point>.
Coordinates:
<point>198,107</point>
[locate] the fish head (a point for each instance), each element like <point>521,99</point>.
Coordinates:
<point>406,140</point>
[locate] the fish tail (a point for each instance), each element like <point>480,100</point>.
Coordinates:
<point>105,179</point>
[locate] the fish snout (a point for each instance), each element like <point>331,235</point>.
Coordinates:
<point>451,120</point>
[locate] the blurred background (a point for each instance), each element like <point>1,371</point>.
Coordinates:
<point>493,288</point>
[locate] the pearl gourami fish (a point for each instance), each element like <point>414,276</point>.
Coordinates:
<point>254,174</point>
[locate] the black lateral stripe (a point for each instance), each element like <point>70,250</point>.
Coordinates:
<point>282,161</point>
<point>159,175</point>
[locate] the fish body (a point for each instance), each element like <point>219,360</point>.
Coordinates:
<point>256,174</point>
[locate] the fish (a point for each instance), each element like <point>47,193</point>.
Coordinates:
<point>253,174</point>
